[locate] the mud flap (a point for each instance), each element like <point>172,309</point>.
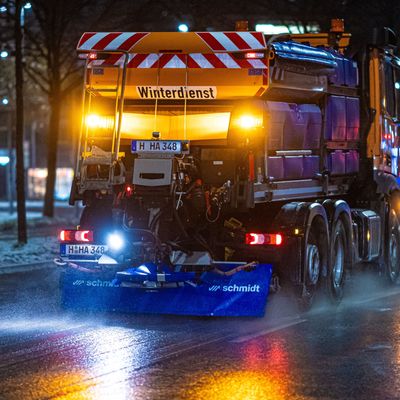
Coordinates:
<point>242,294</point>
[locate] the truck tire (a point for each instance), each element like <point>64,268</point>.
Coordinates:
<point>392,248</point>
<point>339,254</point>
<point>315,256</point>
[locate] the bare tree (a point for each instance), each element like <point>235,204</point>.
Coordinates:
<point>11,32</point>
<point>52,62</point>
<point>19,128</point>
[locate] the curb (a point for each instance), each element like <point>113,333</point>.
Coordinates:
<point>27,267</point>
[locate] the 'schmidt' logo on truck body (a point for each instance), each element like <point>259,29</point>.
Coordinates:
<point>95,283</point>
<point>235,288</point>
<point>177,92</point>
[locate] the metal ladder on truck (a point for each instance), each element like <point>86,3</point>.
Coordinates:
<point>99,165</point>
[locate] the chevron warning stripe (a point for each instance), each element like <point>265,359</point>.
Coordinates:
<point>109,41</point>
<point>217,42</point>
<point>233,41</point>
<point>195,60</point>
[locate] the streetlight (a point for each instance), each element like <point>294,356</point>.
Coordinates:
<point>3,9</point>
<point>4,160</point>
<point>4,101</point>
<point>28,6</point>
<point>183,28</point>
<point>4,54</point>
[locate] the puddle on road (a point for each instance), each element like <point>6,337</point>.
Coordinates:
<point>378,347</point>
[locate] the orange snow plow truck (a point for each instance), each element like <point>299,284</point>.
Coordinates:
<point>214,166</point>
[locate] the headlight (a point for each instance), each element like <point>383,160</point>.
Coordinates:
<point>115,241</point>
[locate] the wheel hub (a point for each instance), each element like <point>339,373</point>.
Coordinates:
<point>338,264</point>
<point>313,263</point>
<point>393,255</point>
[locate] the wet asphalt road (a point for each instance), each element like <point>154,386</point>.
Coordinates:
<point>352,352</point>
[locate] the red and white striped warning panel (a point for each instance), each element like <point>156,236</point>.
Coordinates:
<point>109,41</point>
<point>204,42</point>
<point>233,41</point>
<point>196,60</point>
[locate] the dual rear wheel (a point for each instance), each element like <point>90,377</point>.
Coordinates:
<point>392,250</point>
<point>325,259</point>
<point>332,274</point>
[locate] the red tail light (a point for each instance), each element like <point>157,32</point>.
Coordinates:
<point>129,190</point>
<point>253,54</point>
<point>81,236</point>
<point>257,239</point>
<point>84,236</point>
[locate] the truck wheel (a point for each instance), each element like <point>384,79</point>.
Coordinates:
<point>338,255</point>
<point>392,250</point>
<point>315,259</point>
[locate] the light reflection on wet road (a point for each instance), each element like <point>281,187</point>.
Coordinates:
<point>47,353</point>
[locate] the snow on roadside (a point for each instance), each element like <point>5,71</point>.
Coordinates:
<point>37,249</point>
<point>35,219</point>
<point>8,221</point>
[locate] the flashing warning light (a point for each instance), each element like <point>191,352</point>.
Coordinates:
<point>80,236</point>
<point>92,56</point>
<point>256,239</point>
<point>387,136</point>
<point>253,55</point>
<point>337,25</point>
<point>242,25</point>
<point>249,122</point>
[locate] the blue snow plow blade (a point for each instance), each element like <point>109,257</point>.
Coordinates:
<point>138,290</point>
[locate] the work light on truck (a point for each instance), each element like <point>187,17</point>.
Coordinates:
<point>99,121</point>
<point>249,122</point>
<point>115,241</point>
